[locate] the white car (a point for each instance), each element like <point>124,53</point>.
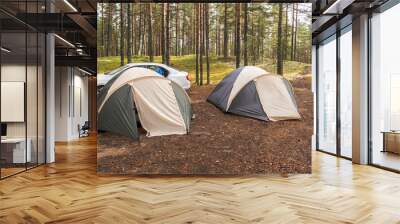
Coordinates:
<point>180,77</point>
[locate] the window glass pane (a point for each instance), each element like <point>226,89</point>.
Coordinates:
<point>327,96</point>
<point>22,87</point>
<point>346,92</point>
<point>41,98</point>
<point>13,86</point>
<point>385,84</point>
<point>31,97</point>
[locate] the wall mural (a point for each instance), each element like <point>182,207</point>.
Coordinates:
<point>204,88</point>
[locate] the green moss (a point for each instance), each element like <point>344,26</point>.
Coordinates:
<point>219,67</point>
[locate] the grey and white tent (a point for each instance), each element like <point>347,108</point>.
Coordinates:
<point>251,91</point>
<point>162,106</point>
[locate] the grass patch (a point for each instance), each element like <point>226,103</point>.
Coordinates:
<point>219,67</point>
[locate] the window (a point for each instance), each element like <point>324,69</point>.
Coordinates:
<point>334,73</point>
<point>327,96</point>
<point>160,70</point>
<point>22,75</point>
<point>346,92</point>
<point>15,145</point>
<point>385,89</point>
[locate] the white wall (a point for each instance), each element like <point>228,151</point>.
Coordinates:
<point>62,81</point>
<point>16,73</point>
<point>80,111</point>
<point>33,126</point>
<point>71,87</point>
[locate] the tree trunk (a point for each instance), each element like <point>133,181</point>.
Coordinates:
<point>295,34</point>
<point>140,31</point>
<point>207,42</point>
<point>225,31</point>
<point>218,34</point>
<point>253,45</point>
<point>176,29</point>
<point>183,30</point>
<point>121,40</point>
<point>133,31</point>
<point>245,45</point>
<point>279,64</point>
<point>286,33</point>
<point>150,33</point>
<point>167,36</point>
<point>292,35</point>
<point>163,32</point>
<point>260,37</point>
<point>129,32</point>
<point>116,37</point>
<point>102,30</point>
<point>142,36</point>
<point>201,41</point>
<point>109,30</point>
<point>261,43</point>
<point>237,36</point>
<point>142,25</point>
<point>197,35</point>
<point>193,28</point>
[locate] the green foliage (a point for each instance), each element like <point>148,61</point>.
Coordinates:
<point>219,67</point>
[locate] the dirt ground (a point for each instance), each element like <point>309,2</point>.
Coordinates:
<point>218,143</point>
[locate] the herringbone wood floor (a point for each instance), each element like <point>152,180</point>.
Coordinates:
<point>69,191</point>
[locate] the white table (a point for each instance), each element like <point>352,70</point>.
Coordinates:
<point>18,144</point>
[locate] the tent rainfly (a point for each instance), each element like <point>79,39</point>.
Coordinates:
<point>162,106</point>
<point>251,91</point>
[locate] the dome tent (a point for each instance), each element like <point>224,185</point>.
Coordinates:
<point>163,107</point>
<point>251,91</point>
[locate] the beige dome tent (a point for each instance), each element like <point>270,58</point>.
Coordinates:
<point>253,92</point>
<point>163,107</point>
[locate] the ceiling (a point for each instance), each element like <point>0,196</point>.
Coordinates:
<point>329,15</point>
<point>74,22</point>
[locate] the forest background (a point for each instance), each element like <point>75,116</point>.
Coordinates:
<point>208,40</point>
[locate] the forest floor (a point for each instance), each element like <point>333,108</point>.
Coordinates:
<point>218,143</point>
<point>219,67</point>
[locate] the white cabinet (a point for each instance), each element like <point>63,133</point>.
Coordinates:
<point>19,155</point>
